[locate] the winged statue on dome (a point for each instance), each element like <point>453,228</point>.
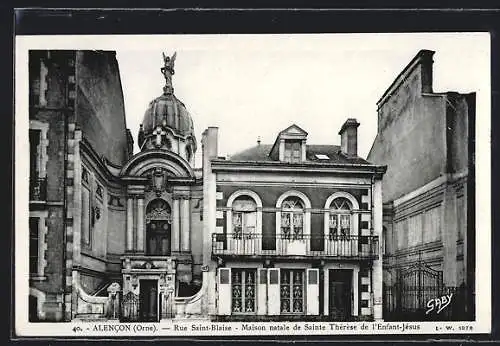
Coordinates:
<point>168,68</point>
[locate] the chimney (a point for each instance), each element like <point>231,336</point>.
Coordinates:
<point>426,69</point>
<point>209,143</point>
<point>349,137</point>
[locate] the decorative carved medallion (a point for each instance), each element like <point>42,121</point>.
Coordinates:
<point>148,265</point>
<point>158,210</point>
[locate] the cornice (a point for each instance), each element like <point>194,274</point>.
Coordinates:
<point>97,160</point>
<point>309,167</point>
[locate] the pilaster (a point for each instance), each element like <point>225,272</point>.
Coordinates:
<point>175,224</point>
<point>377,273</point>
<point>140,224</point>
<point>185,224</point>
<point>449,236</point>
<point>130,226</point>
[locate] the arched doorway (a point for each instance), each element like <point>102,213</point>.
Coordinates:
<point>158,228</point>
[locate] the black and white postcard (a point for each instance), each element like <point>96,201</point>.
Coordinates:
<point>222,185</point>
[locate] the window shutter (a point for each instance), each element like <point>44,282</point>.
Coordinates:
<point>273,291</point>
<point>224,291</point>
<point>312,293</point>
<point>262,291</point>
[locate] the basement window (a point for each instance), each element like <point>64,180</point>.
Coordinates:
<point>322,157</point>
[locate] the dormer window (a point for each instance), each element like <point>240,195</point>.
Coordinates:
<point>293,151</point>
<point>290,145</point>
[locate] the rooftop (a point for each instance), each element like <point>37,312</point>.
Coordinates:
<point>314,153</point>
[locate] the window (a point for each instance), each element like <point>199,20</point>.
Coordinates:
<point>292,290</point>
<point>292,218</point>
<point>34,138</point>
<point>293,151</point>
<point>244,216</point>
<point>243,290</point>
<point>37,178</point>
<point>322,156</point>
<point>339,222</point>
<point>38,71</point>
<point>33,245</point>
<point>158,220</point>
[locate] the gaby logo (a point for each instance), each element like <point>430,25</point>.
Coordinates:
<point>438,304</point>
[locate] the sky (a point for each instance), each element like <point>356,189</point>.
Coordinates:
<point>252,86</point>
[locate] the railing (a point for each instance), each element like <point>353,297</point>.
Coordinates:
<point>38,189</point>
<point>252,244</point>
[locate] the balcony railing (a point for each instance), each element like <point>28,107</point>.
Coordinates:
<point>38,189</point>
<point>252,244</point>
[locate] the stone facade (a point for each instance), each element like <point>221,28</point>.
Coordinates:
<point>427,141</point>
<point>280,231</point>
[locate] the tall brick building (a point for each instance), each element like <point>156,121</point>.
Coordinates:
<point>71,93</point>
<point>427,141</point>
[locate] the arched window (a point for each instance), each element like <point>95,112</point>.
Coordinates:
<point>292,218</point>
<point>158,220</point>
<point>244,216</point>
<point>340,218</point>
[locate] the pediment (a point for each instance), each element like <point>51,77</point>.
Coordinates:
<point>294,130</point>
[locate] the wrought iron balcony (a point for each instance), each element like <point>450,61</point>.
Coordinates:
<point>252,244</point>
<point>38,189</point>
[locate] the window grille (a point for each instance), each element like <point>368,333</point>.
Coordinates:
<point>243,290</point>
<point>292,291</point>
<point>292,219</point>
<point>340,218</point>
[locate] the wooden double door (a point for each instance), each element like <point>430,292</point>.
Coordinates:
<point>340,294</point>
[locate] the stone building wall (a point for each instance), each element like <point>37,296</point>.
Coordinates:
<point>100,107</point>
<point>427,141</point>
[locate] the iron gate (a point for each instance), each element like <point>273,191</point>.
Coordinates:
<point>167,311</point>
<point>130,307</point>
<point>414,296</point>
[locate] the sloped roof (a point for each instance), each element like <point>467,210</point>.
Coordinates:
<point>261,153</point>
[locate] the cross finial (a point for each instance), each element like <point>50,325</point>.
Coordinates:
<point>158,132</point>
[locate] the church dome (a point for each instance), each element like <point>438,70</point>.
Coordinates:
<point>169,112</point>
